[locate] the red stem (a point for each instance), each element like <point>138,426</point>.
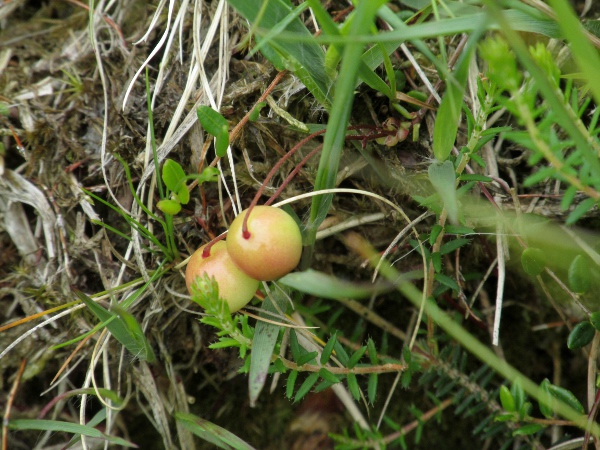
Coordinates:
<point>206,251</point>
<point>293,174</point>
<point>245,233</point>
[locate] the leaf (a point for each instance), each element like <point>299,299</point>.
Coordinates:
<point>518,394</point>
<point>328,349</point>
<point>567,397</point>
<point>580,276</point>
<point>117,327</point>
<point>306,358</point>
<point>135,331</point>
<point>545,401</point>
<point>453,245</point>
<point>356,356</point>
<point>372,352</point>
<point>595,320</point>
<point>580,210</point>
<point>263,343</point>
<point>448,115</point>
<point>215,124</point>
<point>443,179</point>
<point>211,433</point>
<point>333,144</point>
<point>66,427</point>
<point>353,386</point>
<point>447,281</point>
<point>303,56</point>
<point>582,335</point>
<point>291,381</point>
<point>507,400</point>
<point>172,175</point>
<point>533,261</point>
<point>328,376</point>
<point>327,286</point>
<point>306,386</point>
<point>372,388</point>
<point>528,429</point>
<point>255,113</point>
<point>168,206</point>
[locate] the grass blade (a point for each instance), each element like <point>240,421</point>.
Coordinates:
<point>211,433</point>
<point>66,427</point>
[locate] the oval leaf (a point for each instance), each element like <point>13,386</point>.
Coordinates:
<point>580,276</point>
<point>170,207</point>
<point>172,175</point>
<point>213,122</point>
<point>507,400</point>
<point>595,320</point>
<point>567,397</point>
<point>581,335</point>
<point>533,261</point>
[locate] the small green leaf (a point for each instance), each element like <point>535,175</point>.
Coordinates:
<point>447,281</point>
<point>582,335</point>
<point>567,397</point>
<point>306,386</point>
<point>518,394</point>
<point>528,429</point>
<point>328,349</point>
<point>443,178</point>
<point>341,354</point>
<point>255,113</point>
<point>355,358</point>
<point>353,386</point>
<point>533,261</point>
<point>170,207</point>
<point>328,376</point>
<point>580,210</point>
<point>546,403</point>
<point>135,331</point>
<point>580,276</point>
<point>595,320</point>
<point>172,174</point>
<point>507,400</point>
<point>372,388</point>
<point>211,433</point>
<point>372,352</point>
<point>291,381</point>
<point>453,245</point>
<point>215,124</point>
<point>434,233</point>
<point>307,357</point>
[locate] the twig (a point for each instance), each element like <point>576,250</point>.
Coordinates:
<point>11,398</point>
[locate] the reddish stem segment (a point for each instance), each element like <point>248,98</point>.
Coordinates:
<point>272,172</point>
<point>276,167</point>
<point>206,251</point>
<point>293,174</point>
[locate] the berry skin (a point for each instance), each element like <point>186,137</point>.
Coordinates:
<point>235,287</point>
<point>273,247</point>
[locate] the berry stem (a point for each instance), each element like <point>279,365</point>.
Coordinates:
<point>284,158</point>
<point>206,251</point>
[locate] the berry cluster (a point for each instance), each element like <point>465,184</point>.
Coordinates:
<point>262,247</point>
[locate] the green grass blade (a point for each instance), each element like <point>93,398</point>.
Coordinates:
<point>448,116</point>
<point>327,286</point>
<point>340,114</point>
<point>117,328</point>
<point>211,433</point>
<point>66,427</point>
<point>263,343</point>
<point>305,56</point>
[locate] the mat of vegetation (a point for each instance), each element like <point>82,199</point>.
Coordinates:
<point>430,279</point>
